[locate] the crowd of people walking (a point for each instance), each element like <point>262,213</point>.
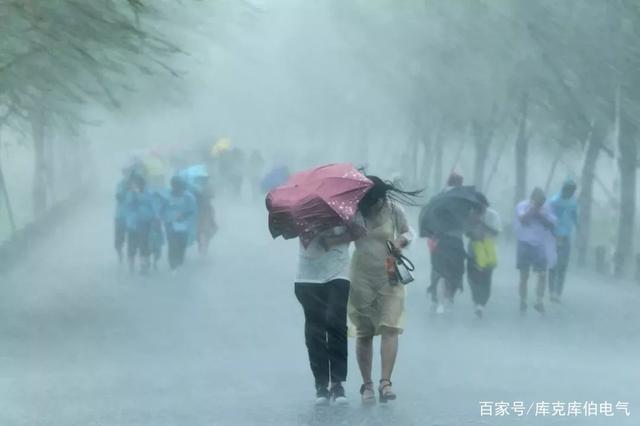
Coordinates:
<point>367,290</point>
<point>148,214</point>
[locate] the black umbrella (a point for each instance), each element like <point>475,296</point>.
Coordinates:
<point>449,210</point>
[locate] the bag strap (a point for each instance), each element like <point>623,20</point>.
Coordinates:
<point>401,258</point>
<point>406,262</point>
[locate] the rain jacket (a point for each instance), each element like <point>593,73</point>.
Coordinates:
<point>139,210</point>
<point>180,212</point>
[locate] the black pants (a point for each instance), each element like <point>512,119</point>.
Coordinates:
<point>480,283</point>
<point>177,242</point>
<point>325,330</point>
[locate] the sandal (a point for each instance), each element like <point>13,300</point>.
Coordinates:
<point>368,394</point>
<point>386,394</point>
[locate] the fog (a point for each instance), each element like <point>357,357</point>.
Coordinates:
<point>408,91</point>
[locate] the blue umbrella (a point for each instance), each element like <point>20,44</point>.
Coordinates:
<point>276,177</point>
<point>193,175</point>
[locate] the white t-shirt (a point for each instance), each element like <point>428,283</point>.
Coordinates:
<point>318,266</point>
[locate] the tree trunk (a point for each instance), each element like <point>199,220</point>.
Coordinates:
<point>483,138</point>
<point>7,200</point>
<point>628,163</point>
<point>415,162</point>
<point>40,165</point>
<point>552,170</point>
<point>427,157</point>
<point>437,162</point>
<point>585,199</point>
<point>521,152</point>
<point>496,163</point>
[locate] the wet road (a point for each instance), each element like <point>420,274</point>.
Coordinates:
<point>83,343</point>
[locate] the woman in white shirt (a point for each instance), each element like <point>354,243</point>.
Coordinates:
<point>322,288</point>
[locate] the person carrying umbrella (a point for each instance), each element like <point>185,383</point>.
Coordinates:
<point>445,219</point>
<point>319,207</point>
<point>438,292</point>
<point>376,305</point>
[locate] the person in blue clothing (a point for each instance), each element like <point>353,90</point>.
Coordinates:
<point>156,232</point>
<point>120,217</point>
<point>140,213</point>
<point>178,216</point>
<point>565,208</point>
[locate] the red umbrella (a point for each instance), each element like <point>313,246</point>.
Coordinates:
<point>315,200</point>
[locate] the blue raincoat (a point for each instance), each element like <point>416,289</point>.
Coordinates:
<point>156,233</point>
<point>139,210</point>
<point>180,213</point>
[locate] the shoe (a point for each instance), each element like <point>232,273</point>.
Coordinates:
<point>523,307</point>
<point>539,307</point>
<point>440,309</point>
<point>478,311</point>
<point>554,298</point>
<point>367,393</point>
<point>337,394</point>
<point>322,395</point>
<point>385,391</point>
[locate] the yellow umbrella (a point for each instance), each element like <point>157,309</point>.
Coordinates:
<point>154,165</point>
<point>221,146</point>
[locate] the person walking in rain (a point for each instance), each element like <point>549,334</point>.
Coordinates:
<point>206,223</point>
<point>156,233</point>
<point>482,254</point>
<point>565,209</point>
<point>139,217</point>
<point>322,288</point>
<point>534,224</point>
<point>448,257</point>
<point>179,211</point>
<point>376,305</point>
<point>120,223</point>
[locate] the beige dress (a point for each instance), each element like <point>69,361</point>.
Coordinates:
<point>373,302</point>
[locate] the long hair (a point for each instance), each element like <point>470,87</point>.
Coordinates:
<point>387,190</point>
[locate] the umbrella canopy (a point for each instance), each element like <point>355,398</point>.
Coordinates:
<point>221,146</point>
<point>154,165</point>
<point>193,176</point>
<point>276,177</point>
<point>194,172</point>
<point>448,211</point>
<point>315,200</point>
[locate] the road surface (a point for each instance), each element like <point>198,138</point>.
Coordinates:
<point>221,343</point>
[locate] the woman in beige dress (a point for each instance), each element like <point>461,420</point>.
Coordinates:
<point>376,307</point>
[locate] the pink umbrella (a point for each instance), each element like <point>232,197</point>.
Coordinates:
<point>315,200</point>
